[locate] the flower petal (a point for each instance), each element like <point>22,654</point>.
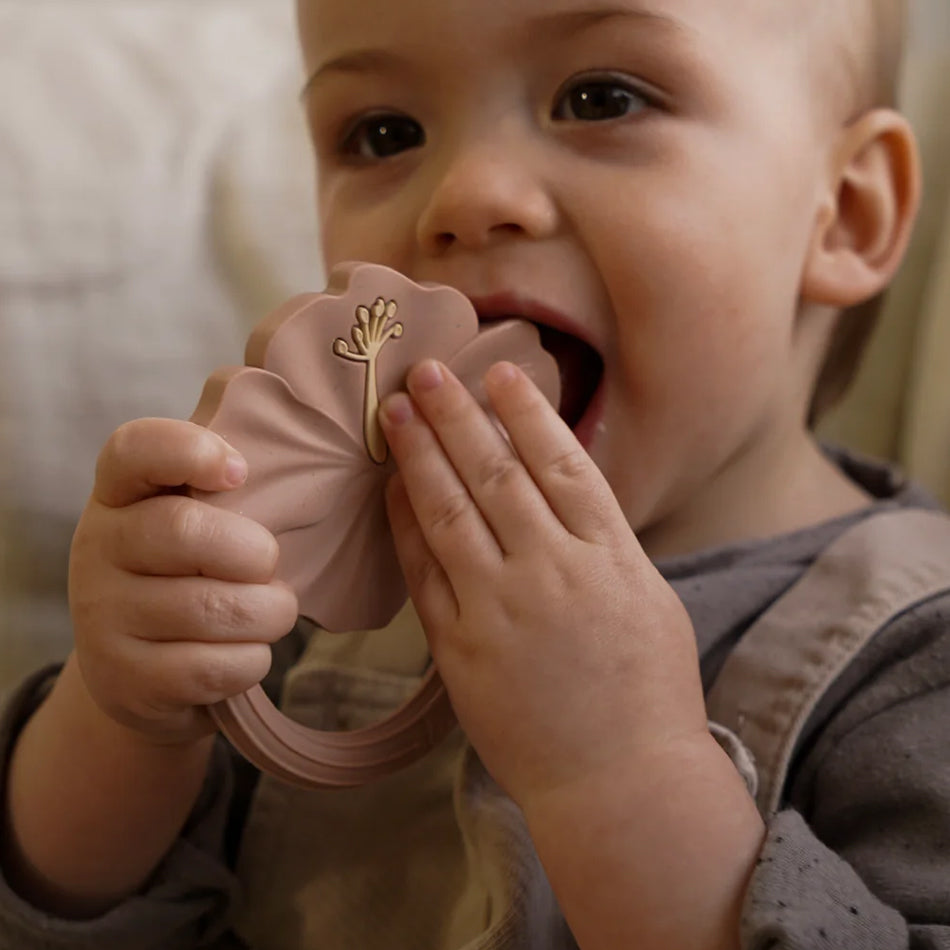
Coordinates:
<point>516,341</point>
<point>301,463</point>
<point>347,576</point>
<point>297,341</point>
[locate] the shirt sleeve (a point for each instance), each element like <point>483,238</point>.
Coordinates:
<point>190,898</point>
<point>859,859</point>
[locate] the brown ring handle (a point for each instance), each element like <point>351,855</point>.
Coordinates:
<point>312,758</point>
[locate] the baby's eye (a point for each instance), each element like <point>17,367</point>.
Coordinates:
<point>598,99</point>
<point>382,136</point>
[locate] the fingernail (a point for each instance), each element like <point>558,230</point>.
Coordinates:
<point>235,470</point>
<point>502,373</point>
<point>426,375</point>
<point>396,409</point>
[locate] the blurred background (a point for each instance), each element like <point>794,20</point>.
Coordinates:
<point>156,201</point>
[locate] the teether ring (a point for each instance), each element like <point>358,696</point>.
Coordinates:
<point>302,411</point>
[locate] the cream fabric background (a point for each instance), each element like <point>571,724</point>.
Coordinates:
<point>156,199</point>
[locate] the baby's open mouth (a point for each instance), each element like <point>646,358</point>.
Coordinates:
<point>580,367</point>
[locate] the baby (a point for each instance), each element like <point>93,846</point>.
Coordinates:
<point>695,200</point>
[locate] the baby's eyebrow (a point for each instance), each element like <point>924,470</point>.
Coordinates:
<point>570,21</point>
<point>356,61</point>
<point>556,24</point>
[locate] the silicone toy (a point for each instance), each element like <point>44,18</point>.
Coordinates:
<point>302,411</point>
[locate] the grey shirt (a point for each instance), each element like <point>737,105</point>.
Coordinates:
<point>859,856</point>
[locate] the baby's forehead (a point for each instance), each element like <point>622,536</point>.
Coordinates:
<point>851,44</point>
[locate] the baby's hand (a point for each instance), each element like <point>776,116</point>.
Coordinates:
<point>563,650</point>
<point>173,601</point>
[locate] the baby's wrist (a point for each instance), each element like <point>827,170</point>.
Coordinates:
<point>654,765</point>
<point>92,806</point>
<point>72,699</point>
<point>674,832</point>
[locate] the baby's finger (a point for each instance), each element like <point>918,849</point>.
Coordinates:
<point>429,588</point>
<point>198,609</point>
<point>502,488</point>
<point>179,674</point>
<point>149,456</point>
<point>175,535</point>
<point>450,521</point>
<point>574,487</point>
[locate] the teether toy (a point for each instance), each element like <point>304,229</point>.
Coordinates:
<point>302,411</point>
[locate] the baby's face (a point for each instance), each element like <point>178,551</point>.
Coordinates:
<point>641,175</point>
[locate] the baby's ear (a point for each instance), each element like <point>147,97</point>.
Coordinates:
<point>863,228</point>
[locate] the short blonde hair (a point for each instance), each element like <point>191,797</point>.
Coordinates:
<point>875,55</point>
<point>888,25</point>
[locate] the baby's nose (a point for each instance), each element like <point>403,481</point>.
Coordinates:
<point>485,195</point>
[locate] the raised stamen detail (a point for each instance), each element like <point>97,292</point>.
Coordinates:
<point>370,334</point>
